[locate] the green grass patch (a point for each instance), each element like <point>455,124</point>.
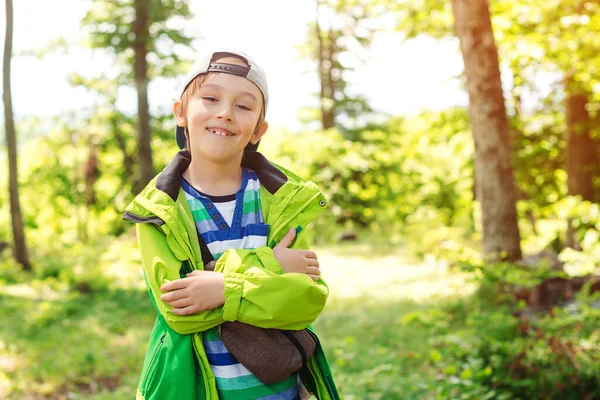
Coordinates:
<point>70,344</point>
<point>57,342</point>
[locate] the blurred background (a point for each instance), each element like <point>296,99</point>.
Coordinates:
<point>458,142</point>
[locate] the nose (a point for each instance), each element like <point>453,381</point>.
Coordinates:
<point>225,112</point>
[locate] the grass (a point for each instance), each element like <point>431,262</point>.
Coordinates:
<point>62,344</point>
<point>374,354</point>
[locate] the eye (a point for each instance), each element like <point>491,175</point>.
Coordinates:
<point>210,99</point>
<point>243,107</point>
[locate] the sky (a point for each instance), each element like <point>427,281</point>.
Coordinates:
<point>397,78</point>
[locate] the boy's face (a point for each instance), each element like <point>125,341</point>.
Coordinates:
<point>221,117</point>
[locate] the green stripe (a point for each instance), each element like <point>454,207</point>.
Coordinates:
<point>200,214</point>
<point>251,206</point>
<point>195,203</point>
<point>238,383</point>
<point>251,194</point>
<point>256,392</point>
<point>211,334</point>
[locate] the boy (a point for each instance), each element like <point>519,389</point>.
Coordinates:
<point>246,211</point>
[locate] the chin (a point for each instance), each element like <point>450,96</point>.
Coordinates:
<point>217,155</point>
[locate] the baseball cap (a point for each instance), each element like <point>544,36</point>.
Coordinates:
<point>207,63</point>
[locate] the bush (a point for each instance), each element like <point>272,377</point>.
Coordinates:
<point>500,350</point>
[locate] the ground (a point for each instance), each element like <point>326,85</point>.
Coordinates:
<point>57,343</point>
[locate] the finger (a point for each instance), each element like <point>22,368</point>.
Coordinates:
<point>312,262</point>
<point>176,284</point>
<point>287,239</point>
<point>313,271</point>
<point>174,295</point>
<point>314,277</point>
<point>194,273</point>
<point>192,309</point>
<point>310,254</point>
<point>180,303</point>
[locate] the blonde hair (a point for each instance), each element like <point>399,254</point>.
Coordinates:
<point>195,85</point>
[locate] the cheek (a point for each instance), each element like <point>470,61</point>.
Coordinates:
<point>249,123</point>
<point>197,117</point>
<point>196,112</point>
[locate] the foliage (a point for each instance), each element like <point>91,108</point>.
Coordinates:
<point>498,355</point>
<point>586,220</point>
<point>406,179</point>
<point>384,180</point>
<point>109,25</point>
<point>342,31</point>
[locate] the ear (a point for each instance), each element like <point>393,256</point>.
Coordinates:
<point>259,133</point>
<point>178,114</point>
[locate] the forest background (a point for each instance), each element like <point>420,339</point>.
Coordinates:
<point>463,237</point>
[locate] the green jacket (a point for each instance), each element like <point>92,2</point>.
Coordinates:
<point>257,292</point>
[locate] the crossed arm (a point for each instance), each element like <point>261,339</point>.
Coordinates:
<point>204,290</point>
<point>276,288</point>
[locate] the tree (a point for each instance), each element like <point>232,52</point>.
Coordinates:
<point>145,45</point>
<point>581,158</point>
<point>547,40</point>
<point>493,161</point>
<point>140,71</point>
<point>340,31</point>
<point>20,247</point>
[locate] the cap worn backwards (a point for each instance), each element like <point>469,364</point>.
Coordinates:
<point>208,63</point>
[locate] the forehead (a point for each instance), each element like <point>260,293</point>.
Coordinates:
<point>232,84</point>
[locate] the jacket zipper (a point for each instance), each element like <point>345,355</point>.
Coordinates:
<point>203,366</point>
<point>162,340</point>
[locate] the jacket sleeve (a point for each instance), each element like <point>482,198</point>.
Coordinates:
<point>161,266</point>
<point>257,292</point>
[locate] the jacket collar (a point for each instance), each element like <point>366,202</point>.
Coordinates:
<point>271,177</point>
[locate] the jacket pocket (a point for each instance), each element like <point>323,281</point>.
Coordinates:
<point>169,369</point>
<point>150,367</point>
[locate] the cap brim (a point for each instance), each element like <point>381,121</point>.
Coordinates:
<point>180,137</point>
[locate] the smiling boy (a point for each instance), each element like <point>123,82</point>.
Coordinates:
<point>220,199</point>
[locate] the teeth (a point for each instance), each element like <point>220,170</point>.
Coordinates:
<point>219,132</point>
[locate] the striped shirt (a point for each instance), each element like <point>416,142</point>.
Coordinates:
<point>247,230</point>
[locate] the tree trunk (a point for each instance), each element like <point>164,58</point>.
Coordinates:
<point>581,158</point>
<point>493,160</point>
<point>20,248</point>
<point>91,172</point>
<point>140,29</point>
<point>127,178</point>
<point>325,68</point>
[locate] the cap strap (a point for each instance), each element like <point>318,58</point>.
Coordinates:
<point>233,69</point>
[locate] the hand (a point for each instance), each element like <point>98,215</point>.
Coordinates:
<point>199,291</point>
<point>296,260</point>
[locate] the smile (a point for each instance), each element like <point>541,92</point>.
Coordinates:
<point>220,132</point>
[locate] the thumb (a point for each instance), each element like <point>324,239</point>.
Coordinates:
<point>287,239</point>
<point>194,272</point>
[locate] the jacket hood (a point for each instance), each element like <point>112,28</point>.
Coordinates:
<point>283,186</point>
<point>271,177</point>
